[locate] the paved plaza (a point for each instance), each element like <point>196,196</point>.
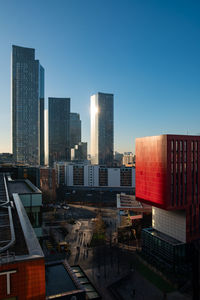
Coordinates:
<point>109,267</point>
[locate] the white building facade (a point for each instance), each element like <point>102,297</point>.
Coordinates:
<point>86,175</point>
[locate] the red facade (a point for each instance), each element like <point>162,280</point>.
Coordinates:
<point>168,176</point>
<point>27,282</point>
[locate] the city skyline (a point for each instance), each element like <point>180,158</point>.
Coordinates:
<point>146,54</point>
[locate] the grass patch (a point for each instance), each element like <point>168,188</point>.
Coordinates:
<point>98,239</point>
<point>154,278</point>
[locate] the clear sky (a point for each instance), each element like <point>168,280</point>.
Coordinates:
<point>146,52</point>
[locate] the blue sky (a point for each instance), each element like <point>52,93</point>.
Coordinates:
<point>146,52</point>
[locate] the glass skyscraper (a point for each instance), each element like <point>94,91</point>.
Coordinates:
<point>59,130</point>
<point>102,129</point>
<point>75,129</point>
<point>27,107</point>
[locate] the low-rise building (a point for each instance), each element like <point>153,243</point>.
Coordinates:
<point>129,209</point>
<point>48,183</point>
<point>31,198</point>
<point>22,268</point>
<point>22,172</point>
<point>83,174</point>
<point>6,158</point>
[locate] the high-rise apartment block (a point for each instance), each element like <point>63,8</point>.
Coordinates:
<point>59,129</point>
<point>102,129</point>
<point>27,107</point>
<point>86,175</point>
<point>75,129</point>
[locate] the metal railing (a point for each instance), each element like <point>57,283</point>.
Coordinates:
<point>7,233</point>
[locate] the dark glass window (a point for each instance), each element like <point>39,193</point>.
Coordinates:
<point>192,146</point>
<point>196,146</point>
<point>172,145</point>
<point>185,146</point>
<point>181,145</point>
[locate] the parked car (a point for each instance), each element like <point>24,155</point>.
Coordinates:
<point>66,207</point>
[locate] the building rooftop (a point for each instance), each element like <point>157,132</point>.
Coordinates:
<point>17,237</point>
<point>61,282</point>
<point>163,236</point>
<point>22,186</point>
<point>129,202</point>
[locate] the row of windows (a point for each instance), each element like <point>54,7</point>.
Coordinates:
<point>179,169</point>
<point>183,145</point>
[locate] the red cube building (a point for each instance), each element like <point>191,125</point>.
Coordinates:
<point>168,177</point>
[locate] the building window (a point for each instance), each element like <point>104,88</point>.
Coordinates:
<point>196,146</point>
<point>172,194</point>
<point>185,181</point>
<point>181,145</point>
<point>192,146</point>
<point>177,190</point>
<point>172,145</point>
<point>185,145</point>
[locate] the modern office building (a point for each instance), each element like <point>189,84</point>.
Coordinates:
<point>102,129</point>
<point>59,129</point>
<point>75,129</point>
<point>27,94</point>
<point>79,152</point>
<point>168,178</point>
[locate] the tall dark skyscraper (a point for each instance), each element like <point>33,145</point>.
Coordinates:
<point>59,129</point>
<point>42,159</point>
<point>102,129</point>
<point>75,129</point>
<point>27,107</point>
